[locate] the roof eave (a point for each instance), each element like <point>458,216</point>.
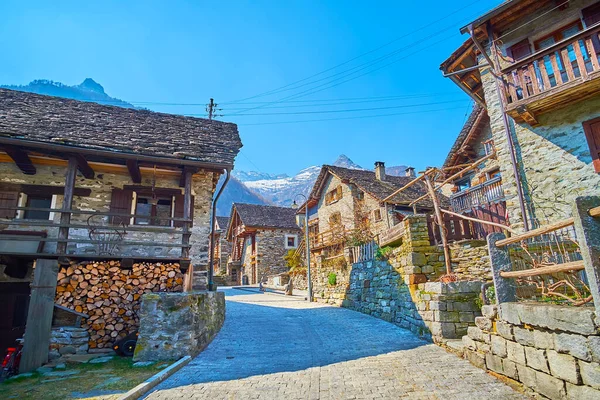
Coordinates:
<point>489,15</point>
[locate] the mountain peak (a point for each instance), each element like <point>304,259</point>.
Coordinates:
<point>92,85</point>
<point>345,162</point>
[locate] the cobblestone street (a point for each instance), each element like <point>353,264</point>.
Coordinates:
<point>278,347</point>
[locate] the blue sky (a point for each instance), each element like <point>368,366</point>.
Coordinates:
<point>189,51</point>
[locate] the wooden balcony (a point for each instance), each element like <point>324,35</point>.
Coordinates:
<point>488,192</point>
<point>90,235</point>
<point>392,235</point>
<point>565,73</point>
<point>327,238</point>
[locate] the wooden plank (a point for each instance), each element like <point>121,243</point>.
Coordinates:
<point>481,221</point>
<point>522,83</point>
<point>438,214</point>
<point>403,188</point>
<point>512,87</point>
<point>65,215</point>
<point>550,269</point>
<point>592,52</point>
<point>134,171</point>
<point>534,81</point>
<point>536,232</point>
<point>187,211</point>
<point>595,212</point>
<point>580,60</point>
<point>544,73</point>
<point>21,159</point>
<point>39,317</point>
<point>555,69</point>
<point>42,189</point>
<point>566,61</point>
<point>85,168</point>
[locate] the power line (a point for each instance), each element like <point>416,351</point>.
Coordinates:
<point>356,117</point>
<point>351,110</point>
<point>287,87</point>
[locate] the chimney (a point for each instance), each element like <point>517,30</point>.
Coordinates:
<point>410,172</point>
<point>380,170</point>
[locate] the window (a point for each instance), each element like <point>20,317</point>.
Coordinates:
<point>291,241</point>
<point>558,35</point>
<point>592,134</point>
<point>38,201</point>
<point>335,218</point>
<point>495,173</point>
<point>360,195</point>
<point>334,195</point>
<point>591,14</point>
<point>377,214</point>
<point>488,146</point>
<point>153,211</point>
<point>463,184</point>
<point>520,50</point>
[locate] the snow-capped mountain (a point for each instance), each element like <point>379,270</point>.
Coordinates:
<point>256,176</point>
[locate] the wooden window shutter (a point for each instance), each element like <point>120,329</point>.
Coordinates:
<point>519,50</point>
<point>178,212</point>
<point>8,199</point>
<point>591,14</point>
<point>120,202</point>
<point>339,192</point>
<point>592,134</point>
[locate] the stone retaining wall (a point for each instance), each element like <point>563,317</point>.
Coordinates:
<point>68,340</point>
<point>553,350</point>
<point>174,325</point>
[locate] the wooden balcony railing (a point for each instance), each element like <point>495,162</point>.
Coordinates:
<point>91,235</point>
<point>328,238</point>
<point>555,69</point>
<point>487,192</point>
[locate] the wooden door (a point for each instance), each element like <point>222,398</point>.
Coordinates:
<point>14,301</point>
<point>592,134</point>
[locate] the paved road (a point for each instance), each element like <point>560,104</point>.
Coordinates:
<point>277,347</point>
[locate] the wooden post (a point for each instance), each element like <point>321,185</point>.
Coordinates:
<point>187,212</point>
<point>506,290</point>
<point>65,215</point>
<point>438,215</point>
<point>587,229</point>
<point>39,317</point>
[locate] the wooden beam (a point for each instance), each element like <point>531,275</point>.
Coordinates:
<point>39,317</point>
<point>409,184</point>
<point>21,159</point>
<point>134,171</point>
<point>184,171</point>
<point>65,215</point>
<point>508,228</point>
<point>536,232</point>
<point>527,115</point>
<point>84,167</point>
<point>438,214</point>
<point>550,269</point>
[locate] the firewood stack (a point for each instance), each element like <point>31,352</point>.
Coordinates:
<point>111,295</point>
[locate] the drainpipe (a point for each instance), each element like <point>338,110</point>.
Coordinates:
<point>213,219</point>
<point>507,130</point>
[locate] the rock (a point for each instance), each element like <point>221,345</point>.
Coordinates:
<point>477,334</point>
<point>509,312</point>
<point>498,346</point>
<point>44,370</point>
<point>576,345</point>
<point>536,359</point>
<point>549,386</point>
<point>526,376</point>
<point>582,392</point>
<point>483,323</point>
<point>67,350</point>
<point>489,311</point>
<point>590,374</point>
<point>524,336</point>
<point>594,345</point>
<point>143,363</point>
<point>101,360</point>
<point>505,330</point>
<point>563,366</point>
<point>543,340</point>
<point>61,366</point>
<point>62,373</point>
<point>515,352</point>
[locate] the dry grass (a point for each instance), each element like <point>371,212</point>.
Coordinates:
<point>91,381</point>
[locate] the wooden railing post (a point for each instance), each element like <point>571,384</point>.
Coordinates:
<point>587,229</point>
<point>506,290</point>
<point>65,215</point>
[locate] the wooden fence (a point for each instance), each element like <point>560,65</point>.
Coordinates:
<point>364,252</point>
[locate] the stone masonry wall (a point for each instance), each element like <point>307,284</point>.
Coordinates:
<point>68,340</point>
<point>271,248</point>
<point>471,260</point>
<point>101,190</point>
<point>552,350</point>
<point>174,325</point>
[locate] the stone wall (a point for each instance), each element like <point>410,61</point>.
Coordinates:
<point>270,250</point>
<point>553,350</point>
<point>471,260</point>
<point>101,187</point>
<point>68,340</point>
<point>174,325</point>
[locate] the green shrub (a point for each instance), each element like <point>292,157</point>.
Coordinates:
<point>383,253</point>
<point>332,279</point>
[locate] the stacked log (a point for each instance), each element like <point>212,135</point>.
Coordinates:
<point>111,295</point>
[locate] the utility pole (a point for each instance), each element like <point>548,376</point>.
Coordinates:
<point>210,109</point>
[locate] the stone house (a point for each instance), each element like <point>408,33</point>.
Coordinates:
<point>477,193</point>
<point>99,204</point>
<point>222,247</point>
<point>260,237</point>
<point>347,205</point>
<point>535,68</point>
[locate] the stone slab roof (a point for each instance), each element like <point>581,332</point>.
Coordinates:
<point>477,117</point>
<point>55,120</point>
<point>222,222</point>
<point>261,216</point>
<point>367,182</point>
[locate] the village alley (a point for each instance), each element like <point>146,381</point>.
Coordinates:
<point>279,347</point>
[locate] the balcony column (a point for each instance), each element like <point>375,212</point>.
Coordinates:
<point>65,215</point>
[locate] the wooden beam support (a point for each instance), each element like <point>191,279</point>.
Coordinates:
<point>83,166</point>
<point>134,171</point>
<point>65,215</point>
<point>438,214</point>
<point>527,115</point>
<point>21,159</point>
<point>184,171</point>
